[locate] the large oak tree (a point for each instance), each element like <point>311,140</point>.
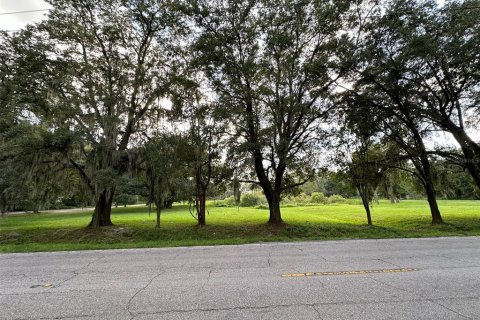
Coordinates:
<point>433,56</point>
<point>96,70</point>
<point>271,64</point>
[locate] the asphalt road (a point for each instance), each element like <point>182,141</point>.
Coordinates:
<point>435,278</point>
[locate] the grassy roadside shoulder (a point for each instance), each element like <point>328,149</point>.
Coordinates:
<point>134,228</point>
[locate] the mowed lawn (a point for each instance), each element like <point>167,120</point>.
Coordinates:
<point>134,228</point>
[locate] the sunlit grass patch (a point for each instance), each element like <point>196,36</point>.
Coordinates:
<point>134,227</point>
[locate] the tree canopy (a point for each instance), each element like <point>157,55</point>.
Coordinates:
<point>176,100</point>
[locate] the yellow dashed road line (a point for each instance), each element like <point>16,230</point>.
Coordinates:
<point>346,273</point>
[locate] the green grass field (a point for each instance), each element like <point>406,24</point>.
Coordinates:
<point>134,228</point>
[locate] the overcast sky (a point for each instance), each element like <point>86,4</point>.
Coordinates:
<point>18,21</point>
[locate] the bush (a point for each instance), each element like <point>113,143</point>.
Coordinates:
<point>220,204</point>
<point>252,199</point>
<point>336,198</point>
<point>292,201</point>
<point>318,197</point>
<point>229,201</point>
<point>302,198</point>
<point>288,205</point>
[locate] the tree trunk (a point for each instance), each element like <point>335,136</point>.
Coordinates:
<point>274,207</point>
<point>424,172</point>
<point>427,181</point>
<point>390,192</point>
<point>432,202</point>
<point>474,170</point>
<point>159,204</point>
<point>470,149</point>
<point>201,208</point>
<point>273,197</point>
<point>168,204</point>
<point>201,197</point>
<point>366,205</point>
<point>103,208</point>
<point>3,204</point>
<point>472,164</point>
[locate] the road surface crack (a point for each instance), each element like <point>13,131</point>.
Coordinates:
<point>390,263</point>
<point>132,315</point>
<point>23,275</point>
<point>311,305</point>
<point>445,307</point>
<point>473,263</point>
<point>420,296</point>
<point>394,287</point>
<point>317,312</point>
<point>210,271</point>
<point>77,272</point>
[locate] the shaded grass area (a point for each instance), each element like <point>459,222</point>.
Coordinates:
<point>134,228</point>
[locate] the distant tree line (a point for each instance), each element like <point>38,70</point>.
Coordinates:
<point>107,102</point>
